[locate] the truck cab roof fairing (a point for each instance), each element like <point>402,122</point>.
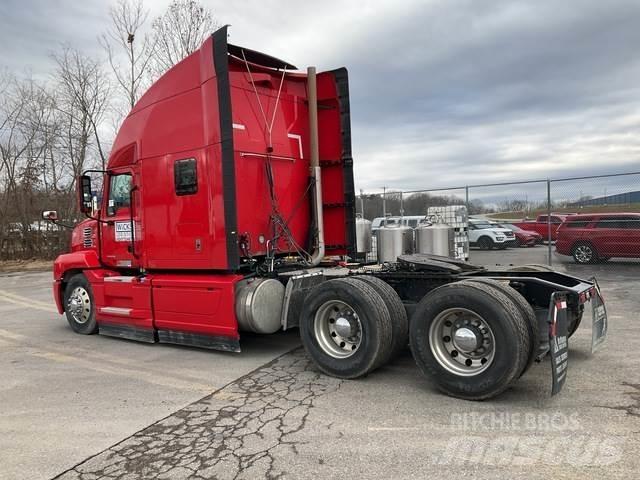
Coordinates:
<point>259,58</point>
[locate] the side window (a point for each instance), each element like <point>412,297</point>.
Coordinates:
<point>611,222</point>
<point>542,218</point>
<point>119,192</point>
<point>632,223</point>
<point>556,220</point>
<point>577,223</point>
<point>627,223</point>
<point>413,223</point>
<point>185,175</point>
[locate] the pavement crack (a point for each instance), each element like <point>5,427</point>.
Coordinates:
<point>632,409</point>
<point>237,432</point>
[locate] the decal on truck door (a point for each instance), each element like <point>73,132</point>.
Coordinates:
<point>123,231</point>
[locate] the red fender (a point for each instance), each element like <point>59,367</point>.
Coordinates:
<point>81,260</point>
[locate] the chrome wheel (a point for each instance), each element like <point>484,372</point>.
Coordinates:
<point>583,254</point>
<point>462,342</point>
<point>79,305</point>
<point>338,329</point>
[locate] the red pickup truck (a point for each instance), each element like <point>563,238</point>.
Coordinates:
<point>540,225</point>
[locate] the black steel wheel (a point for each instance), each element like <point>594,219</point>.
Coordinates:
<point>485,243</point>
<point>79,306</point>
<point>399,320</point>
<point>345,327</point>
<point>470,339</point>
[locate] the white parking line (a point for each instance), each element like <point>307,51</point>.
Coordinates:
<point>163,379</point>
<point>26,302</point>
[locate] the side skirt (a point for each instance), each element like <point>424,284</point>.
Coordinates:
<point>225,344</point>
<point>128,332</point>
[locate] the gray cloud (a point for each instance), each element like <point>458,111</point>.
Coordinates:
<point>443,92</point>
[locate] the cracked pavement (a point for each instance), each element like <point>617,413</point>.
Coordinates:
<point>236,432</point>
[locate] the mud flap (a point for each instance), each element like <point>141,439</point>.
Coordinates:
<point>599,318</point>
<point>558,340</point>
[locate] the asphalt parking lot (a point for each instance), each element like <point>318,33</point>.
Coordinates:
<point>95,407</point>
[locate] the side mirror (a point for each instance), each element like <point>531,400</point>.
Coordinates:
<point>85,195</point>
<point>50,215</point>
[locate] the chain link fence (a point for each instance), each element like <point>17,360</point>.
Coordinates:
<point>590,219</point>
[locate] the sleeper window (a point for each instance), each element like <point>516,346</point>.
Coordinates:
<point>185,175</point>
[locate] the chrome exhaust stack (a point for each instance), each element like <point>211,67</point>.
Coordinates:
<point>314,166</point>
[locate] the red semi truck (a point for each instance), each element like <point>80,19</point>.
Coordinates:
<point>228,206</point>
<point>541,225</point>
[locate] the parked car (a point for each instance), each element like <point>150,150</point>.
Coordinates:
<point>591,238</point>
<point>540,225</point>
<point>485,235</point>
<point>523,238</point>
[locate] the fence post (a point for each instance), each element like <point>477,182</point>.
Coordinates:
<point>466,198</point>
<point>549,259</point>
<point>384,206</point>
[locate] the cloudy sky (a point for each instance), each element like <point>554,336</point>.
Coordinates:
<point>444,93</point>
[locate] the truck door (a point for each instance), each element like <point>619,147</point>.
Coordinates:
<point>121,234</point>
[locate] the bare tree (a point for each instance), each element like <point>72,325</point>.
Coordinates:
<point>124,35</point>
<point>179,32</point>
<point>28,114</point>
<point>83,99</point>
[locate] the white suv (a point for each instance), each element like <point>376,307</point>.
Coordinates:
<point>486,236</point>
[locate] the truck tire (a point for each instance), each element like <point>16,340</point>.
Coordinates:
<point>485,243</point>
<point>399,320</point>
<point>345,327</point>
<point>525,309</point>
<point>470,338</point>
<point>79,306</point>
<point>584,253</point>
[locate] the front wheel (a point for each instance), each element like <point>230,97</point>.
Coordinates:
<point>584,253</point>
<point>79,306</point>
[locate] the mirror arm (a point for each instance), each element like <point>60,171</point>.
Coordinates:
<point>59,223</point>
<point>98,219</point>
